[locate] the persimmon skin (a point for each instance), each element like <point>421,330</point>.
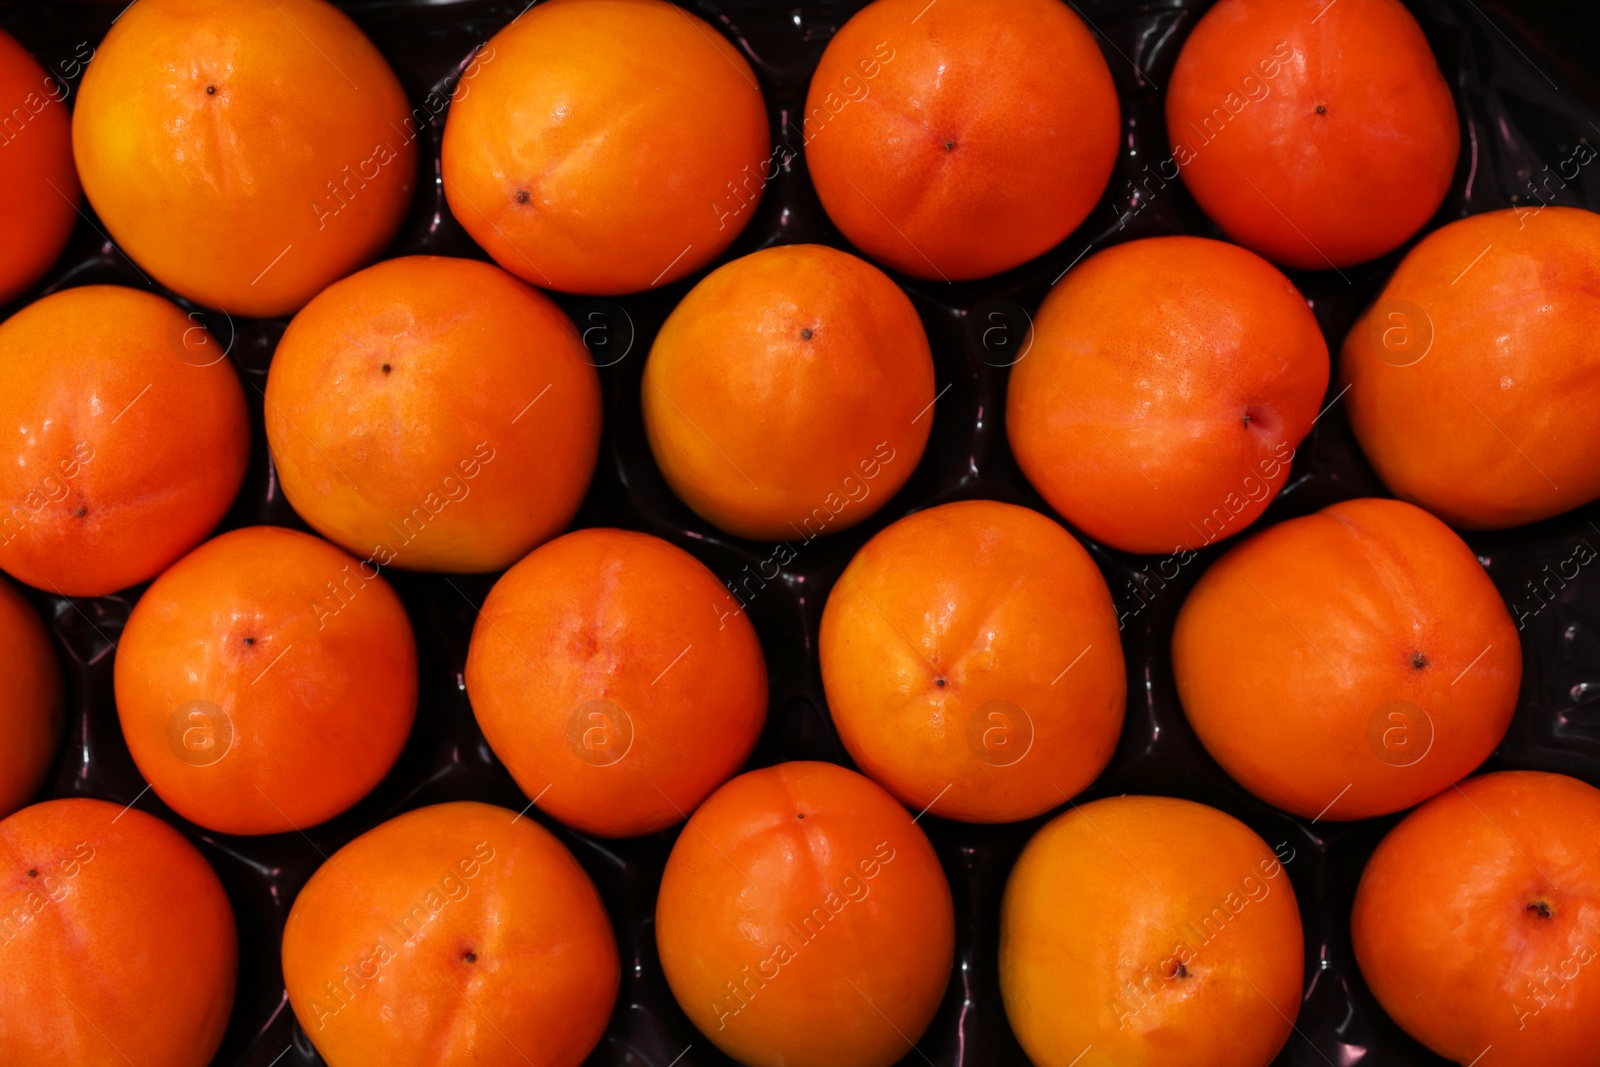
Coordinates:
<point>764,857</point>
<point>32,715</point>
<point>639,624</point>
<point>975,610</point>
<point>306,656</point>
<point>959,140</point>
<point>451,903</point>
<point>1349,663</point>
<point>38,181</point>
<point>1474,923</point>
<point>1460,370</point>
<point>126,439</point>
<point>790,393</point>
<point>128,953</point>
<point>434,414</point>
<point>1167,385</point>
<point>1318,135</point>
<point>245,153</point>
<point>607,146</point>
<point>1152,883</point>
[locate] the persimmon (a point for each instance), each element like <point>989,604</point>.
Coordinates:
<point>32,716</point>
<point>1349,663</point>
<point>610,146</point>
<point>451,935</point>
<point>1459,370</point>
<point>38,181</point>
<point>118,940</point>
<point>804,920</point>
<point>126,439</point>
<point>617,679</point>
<point>972,663</point>
<point>266,682</point>
<point>1319,135</point>
<point>790,394</point>
<point>245,153</point>
<point>1157,931</point>
<point>1477,921</point>
<point>434,414</point>
<point>1166,387</point>
<point>960,139</point>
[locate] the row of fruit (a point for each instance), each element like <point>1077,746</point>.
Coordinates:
<point>441,415</point>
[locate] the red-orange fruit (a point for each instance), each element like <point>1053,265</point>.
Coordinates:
<point>1166,387</point>
<point>266,682</point>
<point>972,663</point>
<point>38,181</point>
<point>436,414</point>
<point>617,679</point>
<point>123,439</point>
<point>804,920</point>
<point>458,935</point>
<point>1467,374</point>
<point>1318,134</point>
<point>1349,663</point>
<point>958,139</point>
<point>1477,922</point>
<point>118,940</point>
<point>607,146</point>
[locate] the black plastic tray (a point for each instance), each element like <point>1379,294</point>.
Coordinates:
<point>1521,82</point>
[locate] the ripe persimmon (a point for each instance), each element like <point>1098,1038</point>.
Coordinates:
<point>38,182</point>
<point>617,680</point>
<point>804,920</point>
<point>790,394</point>
<point>1460,369</point>
<point>266,682</point>
<point>1166,387</point>
<point>451,935</point>
<point>1477,921</point>
<point>1156,931</point>
<point>32,715</point>
<point>960,139</point>
<point>608,146</point>
<point>125,439</point>
<point>433,414</point>
<point>1317,134</point>
<point>1349,663</point>
<point>972,662</point>
<point>118,940</point>
<point>245,153</point>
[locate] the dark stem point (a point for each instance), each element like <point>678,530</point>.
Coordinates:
<point>1540,908</point>
<point>522,196</point>
<point>470,957</point>
<point>1418,660</point>
<point>211,90</point>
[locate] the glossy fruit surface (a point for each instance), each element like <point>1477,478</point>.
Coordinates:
<point>972,662</point>
<point>607,146</point>
<point>266,682</point>
<point>38,182</point>
<point>1166,388</point>
<point>1319,135</point>
<point>125,439</point>
<point>1477,922</point>
<point>804,921</point>
<point>118,941</point>
<point>1157,932</point>
<point>434,414</point>
<point>1461,370</point>
<point>245,153</point>
<point>1349,663</point>
<point>790,394</point>
<point>960,139</point>
<point>617,679</point>
<point>451,935</point>
<point>32,713</point>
